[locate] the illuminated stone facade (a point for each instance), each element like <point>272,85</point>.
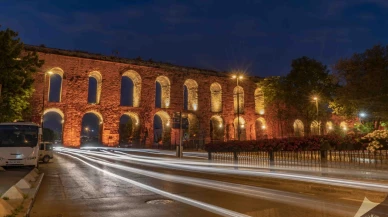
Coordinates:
<point>211,98</point>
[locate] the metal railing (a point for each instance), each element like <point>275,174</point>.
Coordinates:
<point>311,159</point>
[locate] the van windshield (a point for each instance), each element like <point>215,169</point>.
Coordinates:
<point>18,135</point>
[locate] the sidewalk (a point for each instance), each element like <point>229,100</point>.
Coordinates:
<point>11,176</point>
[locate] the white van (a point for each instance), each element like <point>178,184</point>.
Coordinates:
<point>46,152</point>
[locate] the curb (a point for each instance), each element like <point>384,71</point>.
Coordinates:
<point>34,196</point>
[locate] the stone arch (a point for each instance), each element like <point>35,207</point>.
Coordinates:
<point>259,101</point>
<point>238,100</point>
<point>216,128</point>
<point>242,125</point>
<point>162,132</point>
<point>91,133</point>
<point>55,84</point>
<point>298,128</point>
<point>164,96</point>
<point>97,91</point>
<point>329,126</point>
<point>53,119</point>
<point>129,128</point>
<point>261,128</point>
<point>344,125</point>
<point>136,93</point>
<point>315,128</point>
<point>191,96</point>
<point>216,97</point>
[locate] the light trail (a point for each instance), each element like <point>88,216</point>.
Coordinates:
<point>244,190</point>
<point>201,205</point>
<point>295,177</point>
<point>306,168</point>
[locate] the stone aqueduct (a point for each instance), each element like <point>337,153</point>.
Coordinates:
<point>211,98</point>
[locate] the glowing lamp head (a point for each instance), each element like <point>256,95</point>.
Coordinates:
<point>263,127</point>
<point>242,125</point>
<point>86,128</point>
<point>220,126</point>
<point>345,128</point>
<point>315,98</point>
<point>240,77</point>
<point>168,124</point>
<point>234,76</point>
<point>362,114</point>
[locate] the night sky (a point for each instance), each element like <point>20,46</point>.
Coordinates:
<point>258,36</point>
<point>261,37</point>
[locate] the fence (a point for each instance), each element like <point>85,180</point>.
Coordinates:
<point>306,159</point>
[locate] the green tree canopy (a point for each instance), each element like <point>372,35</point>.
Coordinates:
<point>364,80</point>
<point>291,96</point>
<point>16,76</point>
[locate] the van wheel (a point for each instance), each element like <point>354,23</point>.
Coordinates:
<point>46,159</point>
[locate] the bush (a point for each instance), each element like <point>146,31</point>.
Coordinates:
<point>311,143</point>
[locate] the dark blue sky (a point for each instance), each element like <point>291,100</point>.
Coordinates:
<point>259,36</point>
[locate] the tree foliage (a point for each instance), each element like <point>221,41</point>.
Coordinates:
<point>291,96</point>
<point>364,80</point>
<point>16,76</point>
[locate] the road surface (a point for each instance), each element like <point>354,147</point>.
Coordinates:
<point>106,183</point>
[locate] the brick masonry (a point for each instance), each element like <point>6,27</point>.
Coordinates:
<point>74,95</point>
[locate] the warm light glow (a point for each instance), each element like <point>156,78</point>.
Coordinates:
<point>263,127</point>
<point>137,123</point>
<point>261,111</point>
<point>362,114</point>
<point>195,107</point>
<point>330,128</point>
<point>220,126</point>
<point>345,128</point>
<point>62,121</point>
<point>315,98</point>
<point>167,103</point>
<point>234,76</point>
<point>50,72</point>
<point>168,123</point>
<point>242,125</point>
<point>100,122</point>
<point>240,77</point>
<point>87,128</point>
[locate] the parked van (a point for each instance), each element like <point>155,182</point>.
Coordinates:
<point>46,152</point>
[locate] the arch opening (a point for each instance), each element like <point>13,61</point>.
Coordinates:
<point>95,85</point>
<point>129,129</point>
<point>329,127</point>
<point>239,129</point>
<point>259,101</point>
<point>315,128</point>
<point>190,95</point>
<point>162,129</point>
<point>216,128</point>
<point>261,128</point>
<point>53,120</point>
<point>298,128</point>
<point>55,84</point>
<point>91,131</point>
<point>162,95</point>
<point>238,100</point>
<point>130,89</point>
<point>216,97</point>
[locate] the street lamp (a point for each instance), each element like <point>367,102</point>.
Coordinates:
<point>44,92</point>
<point>315,98</point>
<point>238,77</point>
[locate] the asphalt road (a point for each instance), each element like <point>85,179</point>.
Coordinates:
<point>91,183</point>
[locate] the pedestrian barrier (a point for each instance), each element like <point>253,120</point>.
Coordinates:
<point>311,159</point>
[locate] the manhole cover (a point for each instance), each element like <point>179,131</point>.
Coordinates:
<point>160,201</point>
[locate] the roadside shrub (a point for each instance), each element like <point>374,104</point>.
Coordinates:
<point>311,143</point>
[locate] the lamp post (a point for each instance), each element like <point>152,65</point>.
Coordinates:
<point>238,77</point>
<point>44,93</point>
<point>316,105</point>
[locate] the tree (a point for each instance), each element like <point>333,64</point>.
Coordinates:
<point>291,96</point>
<point>16,76</point>
<point>309,78</point>
<point>364,85</point>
